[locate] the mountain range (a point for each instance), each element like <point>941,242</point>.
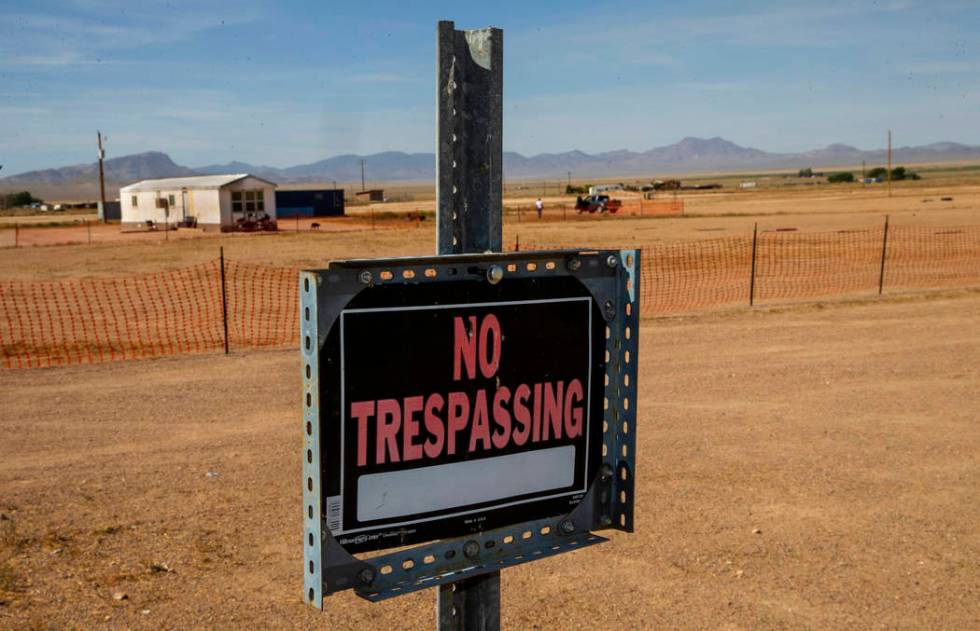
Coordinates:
<point>686,156</point>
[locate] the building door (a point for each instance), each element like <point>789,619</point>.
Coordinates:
<point>188,213</point>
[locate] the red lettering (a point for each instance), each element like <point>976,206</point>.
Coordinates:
<point>536,430</point>
<point>411,450</point>
<point>552,408</point>
<point>480,427</point>
<point>489,363</point>
<point>464,348</point>
<point>521,414</point>
<point>573,412</point>
<point>501,417</point>
<point>459,412</point>
<point>433,425</point>
<point>389,422</point>
<point>362,411</point>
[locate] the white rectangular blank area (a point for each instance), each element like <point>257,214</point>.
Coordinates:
<point>460,484</point>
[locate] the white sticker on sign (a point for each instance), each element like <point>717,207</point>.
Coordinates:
<point>426,489</point>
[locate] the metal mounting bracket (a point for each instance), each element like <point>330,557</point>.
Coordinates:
<point>612,279</point>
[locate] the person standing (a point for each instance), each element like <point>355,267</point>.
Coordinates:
<point>539,205</point>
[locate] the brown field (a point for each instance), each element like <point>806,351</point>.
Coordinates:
<point>798,466</point>
<point>706,215</point>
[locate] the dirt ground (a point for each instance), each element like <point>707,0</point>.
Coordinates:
<point>707,215</point>
<point>804,467</point>
<point>807,466</point>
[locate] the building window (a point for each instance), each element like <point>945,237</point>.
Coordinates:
<point>136,201</point>
<point>172,200</point>
<point>248,204</point>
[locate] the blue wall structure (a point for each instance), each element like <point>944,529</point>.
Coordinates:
<point>325,202</point>
<point>111,212</point>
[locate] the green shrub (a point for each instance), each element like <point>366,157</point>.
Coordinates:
<point>840,178</point>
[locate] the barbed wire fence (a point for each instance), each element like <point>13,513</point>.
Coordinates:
<point>204,308</point>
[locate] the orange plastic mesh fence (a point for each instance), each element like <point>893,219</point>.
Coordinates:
<point>687,276</point>
<point>49,323</point>
<point>791,265</point>
<point>263,305</point>
<point>87,320</point>
<point>925,257</point>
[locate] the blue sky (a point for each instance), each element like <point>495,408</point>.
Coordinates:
<point>294,82</point>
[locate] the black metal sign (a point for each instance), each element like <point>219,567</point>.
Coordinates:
<point>455,396</point>
<point>454,417</point>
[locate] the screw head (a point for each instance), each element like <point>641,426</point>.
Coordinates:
<point>366,277</point>
<point>605,472</point>
<point>495,274</point>
<point>612,260</point>
<point>605,520</point>
<point>574,265</point>
<point>566,526</point>
<point>366,576</point>
<point>471,549</point>
<point>610,310</point>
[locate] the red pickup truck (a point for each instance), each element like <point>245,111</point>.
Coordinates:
<point>597,203</point>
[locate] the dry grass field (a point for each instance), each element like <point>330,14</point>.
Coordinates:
<point>707,215</point>
<point>807,466</point>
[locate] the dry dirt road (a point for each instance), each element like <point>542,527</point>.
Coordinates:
<point>807,467</point>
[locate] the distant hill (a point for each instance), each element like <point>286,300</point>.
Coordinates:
<point>140,166</point>
<point>688,155</point>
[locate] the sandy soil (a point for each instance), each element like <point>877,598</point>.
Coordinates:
<point>706,215</point>
<point>798,467</point>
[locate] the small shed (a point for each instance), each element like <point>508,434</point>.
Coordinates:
<point>372,195</point>
<point>325,202</point>
<point>211,202</point>
<point>110,211</point>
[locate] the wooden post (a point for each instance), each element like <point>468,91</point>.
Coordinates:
<point>101,174</point>
<point>224,299</point>
<point>755,240</point>
<point>884,251</point>
<point>889,163</point>
<point>469,203</point>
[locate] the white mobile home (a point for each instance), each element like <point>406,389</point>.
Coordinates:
<point>212,202</point>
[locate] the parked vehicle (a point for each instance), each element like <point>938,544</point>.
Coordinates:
<point>597,203</point>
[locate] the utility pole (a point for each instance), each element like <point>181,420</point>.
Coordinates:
<point>569,179</point>
<point>362,174</point>
<point>889,163</point>
<point>469,218</point>
<point>101,174</point>
<point>863,176</point>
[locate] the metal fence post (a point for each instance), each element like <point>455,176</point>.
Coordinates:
<point>16,235</point>
<point>88,229</point>
<point>755,240</point>
<point>884,251</point>
<point>224,299</point>
<point>469,218</point>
